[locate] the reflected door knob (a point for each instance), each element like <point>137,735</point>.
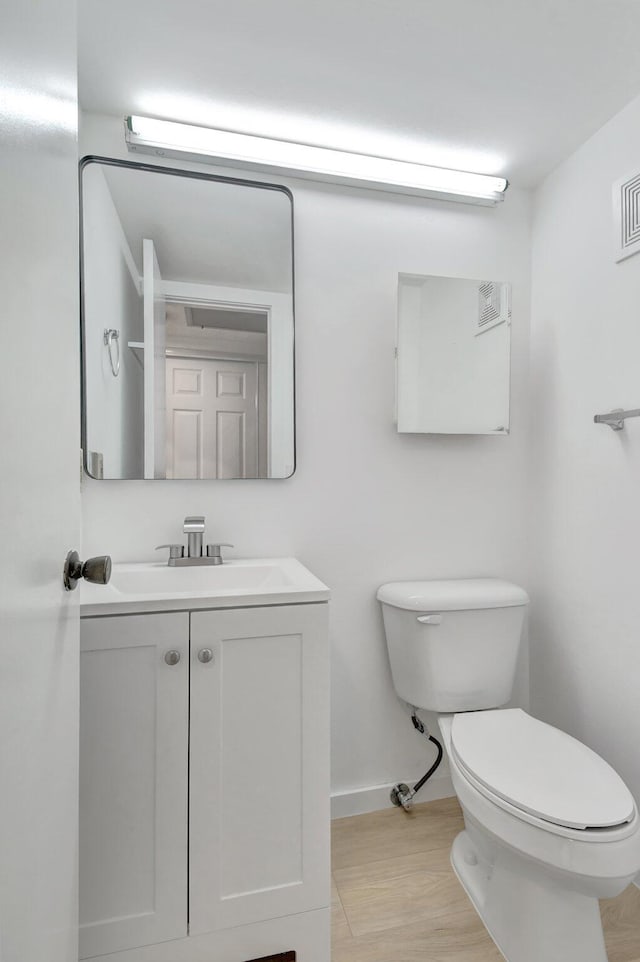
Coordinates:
<point>96,570</point>
<point>205,655</point>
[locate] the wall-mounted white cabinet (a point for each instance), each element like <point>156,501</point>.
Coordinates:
<point>453,355</point>
<point>204,802</point>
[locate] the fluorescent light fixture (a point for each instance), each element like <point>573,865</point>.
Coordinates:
<point>166,138</point>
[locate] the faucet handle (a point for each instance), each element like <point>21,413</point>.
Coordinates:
<point>194,524</point>
<point>213,550</point>
<point>175,550</point>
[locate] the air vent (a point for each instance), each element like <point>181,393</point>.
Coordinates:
<point>494,305</point>
<point>626,214</point>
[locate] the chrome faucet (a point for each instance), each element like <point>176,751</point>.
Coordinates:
<point>194,530</point>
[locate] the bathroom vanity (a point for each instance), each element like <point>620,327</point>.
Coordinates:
<point>204,777</point>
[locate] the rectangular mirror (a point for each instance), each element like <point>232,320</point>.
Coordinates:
<point>453,355</point>
<point>187,324</point>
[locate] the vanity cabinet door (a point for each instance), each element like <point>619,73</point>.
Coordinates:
<point>259,827</point>
<point>133,780</point>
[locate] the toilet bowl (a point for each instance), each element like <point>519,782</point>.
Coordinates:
<point>536,882</point>
<point>550,827</point>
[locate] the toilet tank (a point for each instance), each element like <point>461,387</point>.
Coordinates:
<point>453,645</point>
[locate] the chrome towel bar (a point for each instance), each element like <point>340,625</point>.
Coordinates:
<point>616,418</point>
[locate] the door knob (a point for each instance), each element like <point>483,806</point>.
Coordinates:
<point>172,657</point>
<point>96,570</point>
<point>205,655</point>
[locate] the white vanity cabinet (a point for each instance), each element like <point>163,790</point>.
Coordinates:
<point>259,797</point>
<point>205,794</point>
<point>134,737</point>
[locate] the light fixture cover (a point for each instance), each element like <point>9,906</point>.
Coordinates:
<point>170,139</point>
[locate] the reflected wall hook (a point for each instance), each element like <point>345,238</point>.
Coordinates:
<point>111,336</point>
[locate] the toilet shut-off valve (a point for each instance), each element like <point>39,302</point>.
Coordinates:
<point>402,795</point>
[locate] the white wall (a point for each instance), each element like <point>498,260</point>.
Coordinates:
<point>585,493</point>
<point>111,300</point>
<point>365,505</point>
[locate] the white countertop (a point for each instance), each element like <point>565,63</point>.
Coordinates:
<point>239,583</point>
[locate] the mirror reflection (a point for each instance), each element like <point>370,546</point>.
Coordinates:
<point>187,325</point>
<point>453,355</point>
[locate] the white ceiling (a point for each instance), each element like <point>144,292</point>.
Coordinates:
<point>501,86</point>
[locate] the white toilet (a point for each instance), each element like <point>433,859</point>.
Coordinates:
<point>549,826</point>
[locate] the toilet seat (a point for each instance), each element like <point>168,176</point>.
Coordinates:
<point>540,773</point>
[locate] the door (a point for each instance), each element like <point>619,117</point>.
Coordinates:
<point>40,482</point>
<point>155,316</point>
<point>134,705</point>
<point>259,768</point>
<point>213,418</point>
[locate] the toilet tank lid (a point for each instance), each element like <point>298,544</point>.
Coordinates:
<point>463,594</point>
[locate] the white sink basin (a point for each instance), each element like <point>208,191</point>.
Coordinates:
<point>153,586</point>
<point>145,579</point>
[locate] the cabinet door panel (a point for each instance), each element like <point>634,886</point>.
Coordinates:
<point>133,781</point>
<point>259,765</point>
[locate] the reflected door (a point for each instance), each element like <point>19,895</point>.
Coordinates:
<point>155,313</point>
<point>214,419</point>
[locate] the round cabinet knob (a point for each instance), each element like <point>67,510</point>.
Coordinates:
<point>205,655</point>
<point>172,657</point>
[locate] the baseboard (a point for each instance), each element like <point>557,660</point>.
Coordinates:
<point>359,801</point>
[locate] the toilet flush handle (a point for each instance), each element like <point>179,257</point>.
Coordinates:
<point>430,619</point>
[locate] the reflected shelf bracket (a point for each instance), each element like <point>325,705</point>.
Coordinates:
<point>616,418</point>
<point>137,347</point>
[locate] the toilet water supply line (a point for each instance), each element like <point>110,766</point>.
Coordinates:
<point>401,794</point>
